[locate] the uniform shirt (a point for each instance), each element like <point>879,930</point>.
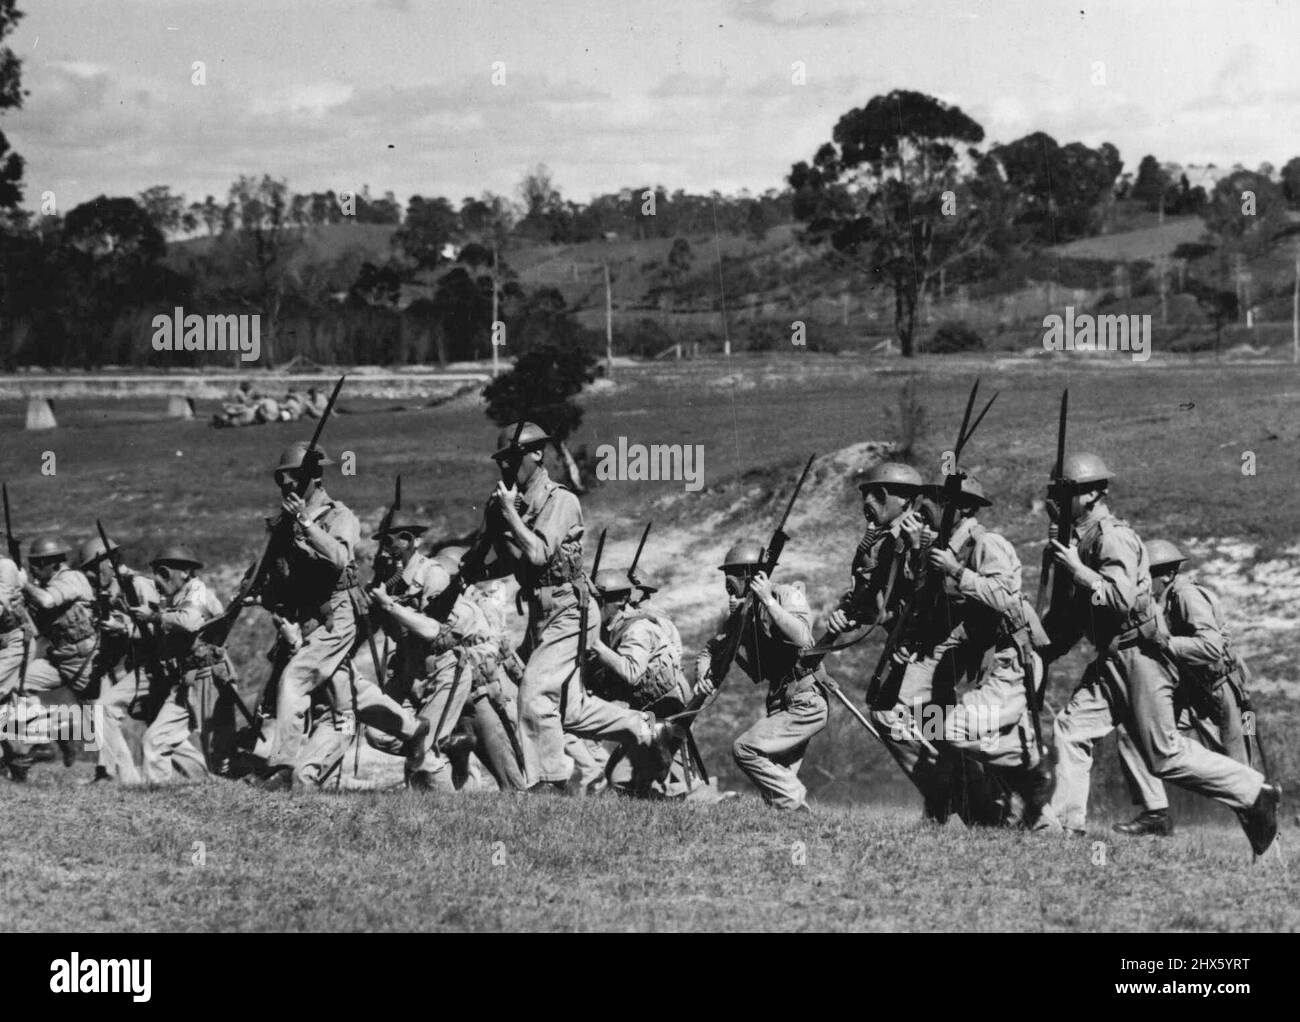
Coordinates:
<point>117,645</point>
<point>1198,641</point>
<point>182,615</point>
<point>1115,593</point>
<point>769,648</point>
<point>554,515</point>
<point>424,580</point>
<point>647,653</point>
<point>306,573</point>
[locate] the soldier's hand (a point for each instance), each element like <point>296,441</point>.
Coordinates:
<point>910,525</point>
<point>761,586</point>
<point>293,505</point>
<point>945,561</point>
<point>145,615</point>
<point>837,621</point>
<point>704,683</point>
<point>506,496</point>
<point>1067,556</point>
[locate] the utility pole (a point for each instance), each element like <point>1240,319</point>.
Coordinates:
<point>609,327</point>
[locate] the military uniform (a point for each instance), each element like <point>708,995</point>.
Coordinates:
<point>643,668</point>
<point>192,703</point>
<point>15,646</point>
<point>772,750</point>
<point>1128,683</point>
<point>1211,691</point>
<point>312,586</point>
<point>555,591</point>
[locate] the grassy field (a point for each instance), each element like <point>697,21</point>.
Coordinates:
<point>224,857</point>
<point>1175,433</point>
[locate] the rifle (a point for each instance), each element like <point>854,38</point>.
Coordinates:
<point>739,621</point>
<point>1060,494</point>
<point>584,612</point>
<point>15,547</point>
<point>384,566</point>
<point>636,558</point>
<point>129,593</point>
<point>217,631</point>
<point>952,492</point>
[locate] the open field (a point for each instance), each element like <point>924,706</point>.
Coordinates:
<point>224,857</point>
<point>1174,432</point>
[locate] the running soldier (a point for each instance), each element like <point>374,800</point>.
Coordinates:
<point>1210,698</point>
<point>16,635</point>
<point>989,631</point>
<point>771,751</point>
<point>312,589</point>
<point>1103,591</point>
<point>535,528</point>
<point>200,697</point>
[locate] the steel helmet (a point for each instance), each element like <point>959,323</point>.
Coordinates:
<point>1161,552</point>
<point>972,491</point>
<point>745,554</point>
<point>1082,469</point>
<point>892,474</point>
<point>403,523</point>
<point>92,550</point>
<point>612,582</point>
<point>292,457</point>
<point>530,437</point>
<point>177,555</point>
<point>646,586</point>
<point>45,548</point>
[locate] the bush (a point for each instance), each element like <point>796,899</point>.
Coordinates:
<point>954,336</point>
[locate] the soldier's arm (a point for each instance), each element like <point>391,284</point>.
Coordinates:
<point>1113,583</point>
<point>59,593</point>
<point>1194,613</point>
<point>630,660</point>
<point>11,586</point>
<point>993,577</point>
<point>791,615</point>
<point>560,519</point>
<point>334,544</point>
<point>426,588</point>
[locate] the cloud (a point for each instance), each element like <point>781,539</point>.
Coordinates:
<point>793,14</point>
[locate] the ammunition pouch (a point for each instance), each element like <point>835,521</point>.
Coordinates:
<point>801,679</point>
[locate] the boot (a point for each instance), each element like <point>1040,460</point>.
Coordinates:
<point>1157,822</point>
<point>1260,820</point>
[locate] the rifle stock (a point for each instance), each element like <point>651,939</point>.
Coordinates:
<point>15,547</point>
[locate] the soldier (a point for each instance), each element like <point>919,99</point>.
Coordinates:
<point>488,720</point>
<point>311,586</point>
<point>203,674</point>
<point>638,661</point>
<point>890,491</point>
<point>131,680</point>
<point>435,663</point>
<point>1210,698</point>
<point>1103,591</point>
<point>771,751</point>
<point>535,527</point>
<point>15,652</point>
<point>989,630</point>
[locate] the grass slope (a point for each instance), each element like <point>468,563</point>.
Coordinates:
<point>404,862</point>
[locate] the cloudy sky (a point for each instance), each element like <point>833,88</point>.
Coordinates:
<point>696,94</point>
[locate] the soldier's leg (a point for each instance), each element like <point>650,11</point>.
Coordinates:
<point>168,753</point>
<point>321,654</point>
<point>493,744</point>
<point>1086,719</point>
<point>1149,692</point>
<point>771,752</point>
<point>1147,791</point>
<point>442,700</point>
<point>325,747</point>
<point>902,729</point>
<point>589,760</point>
<point>115,758</point>
<point>1227,717</point>
<point>554,651</point>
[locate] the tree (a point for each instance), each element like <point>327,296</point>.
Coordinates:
<point>163,208</point>
<point>680,258</point>
<point>1245,212</point>
<point>11,98</point>
<point>431,224</point>
<point>1152,182</point>
<point>545,214</point>
<point>1060,187</point>
<point>1291,182</point>
<point>1219,304</point>
<point>541,387</point>
<point>898,195</point>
